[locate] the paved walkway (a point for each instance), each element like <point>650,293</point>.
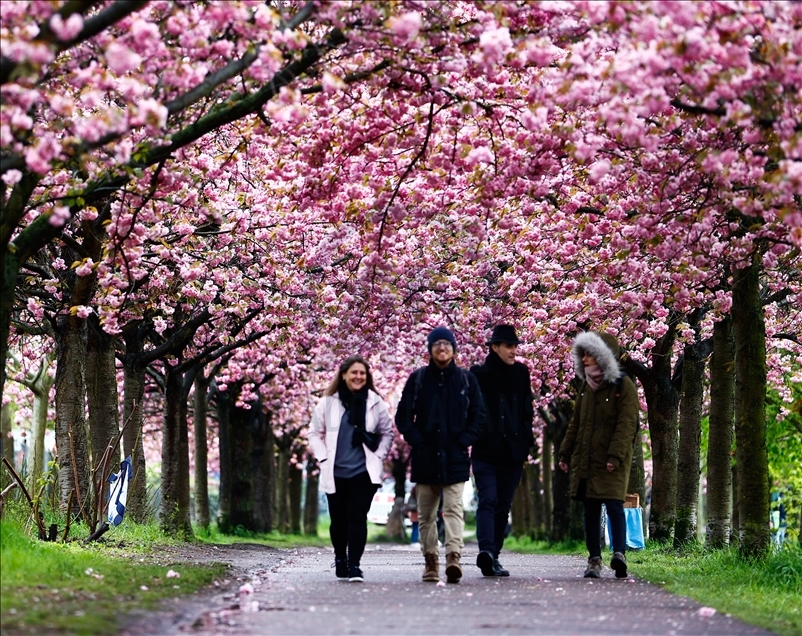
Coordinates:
<point>295,592</point>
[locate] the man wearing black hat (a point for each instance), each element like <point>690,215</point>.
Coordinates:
<point>499,454</point>
<point>440,414</point>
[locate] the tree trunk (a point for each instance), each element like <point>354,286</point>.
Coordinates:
<point>311,507</point>
<point>295,491</point>
<point>662,402</point>
<point>395,529</point>
<point>690,435</point>
<point>522,518</point>
<point>199,419</point>
<point>282,488</point>
<point>225,443</point>
<point>263,469</point>
<point>6,441</point>
<point>719,446</point>
<point>561,509</point>
<point>101,393</point>
<point>241,509</point>
<point>133,446</point>
<point>548,470</point>
<point>71,437</point>
<point>637,478</point>
<point>174,517</point>
<point>40,386</point>
<point>750,410</point>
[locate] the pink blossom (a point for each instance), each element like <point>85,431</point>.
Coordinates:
<point>66,31</point>
<point>406,26</point>
<point>149,112</point>
<point>59,215</point>
<point>172,574</point>
<point>495,44</point>
<point>85,268</point>
<point>121,59</point>
<point>707,612</point>
<point>12,177</point>
<point>599,170</point>
<point>82,311</point>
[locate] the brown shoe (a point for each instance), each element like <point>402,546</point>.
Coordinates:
<point>453,568</point>
<point>432,568</point>
<point>594,568</point>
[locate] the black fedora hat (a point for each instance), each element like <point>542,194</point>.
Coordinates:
<point>503,333</point>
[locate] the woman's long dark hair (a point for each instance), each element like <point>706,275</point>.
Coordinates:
<point>347,364</point>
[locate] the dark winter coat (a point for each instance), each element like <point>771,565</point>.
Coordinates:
<point>507,390</point>
<point>440,414</point>
<point>604,424</point>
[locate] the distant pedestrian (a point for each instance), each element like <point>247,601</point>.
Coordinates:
<point>598,444</point>
<point>350,434</point>
<point>498,456</point>
<point>440,414</point>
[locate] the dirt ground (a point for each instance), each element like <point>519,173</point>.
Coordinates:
<point>295,592</point>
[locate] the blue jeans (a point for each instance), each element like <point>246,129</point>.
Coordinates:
<point>495,485</point>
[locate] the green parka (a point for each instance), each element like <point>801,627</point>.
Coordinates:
<point>604,424</point>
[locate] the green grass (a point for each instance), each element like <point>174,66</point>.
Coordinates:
<point>272,539</point>
<point>72,588</point>
<point>766,593</point>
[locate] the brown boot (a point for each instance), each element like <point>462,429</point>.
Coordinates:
<point>453,568</point>
<point>594,568</point>
<point>432,568</point>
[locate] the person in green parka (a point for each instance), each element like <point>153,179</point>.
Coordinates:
<point>598,444</point>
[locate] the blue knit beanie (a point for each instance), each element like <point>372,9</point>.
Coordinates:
<point>441,333</point>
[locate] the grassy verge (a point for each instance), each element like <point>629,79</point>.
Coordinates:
<point>272,539</point>
<point>72,588</point>
<point>766,593</point>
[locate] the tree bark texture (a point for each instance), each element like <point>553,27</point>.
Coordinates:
<point>101,393</point>
<point>548,470</point>
<point>225,443</point>
<point>174,516</point>
<point>311,505</point>
<point>295,491</point>
<point>750,410</point>
<point>690,436</point>
<point>662,400</point>
<point>282,487</point>
<point>199,421</point>
<point>561,510</point>
<point>40,385</point>
<point>719,446</point>
<point>241,509</point>
<point>71,435</point>
<point>521,512</point>
<point>264,457</point>
<point>6,441</point>
<point>133,417</point>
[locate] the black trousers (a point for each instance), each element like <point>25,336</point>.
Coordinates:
<point>495,487</point>
<point>348,509</point>
<point>618,525</point>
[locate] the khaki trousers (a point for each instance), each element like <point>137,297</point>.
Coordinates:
<point>428,502</point>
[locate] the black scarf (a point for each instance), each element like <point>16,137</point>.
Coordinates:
<point>355,403</point>
<point>503,372</point>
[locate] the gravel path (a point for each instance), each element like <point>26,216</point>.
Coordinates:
<point>295,592</point>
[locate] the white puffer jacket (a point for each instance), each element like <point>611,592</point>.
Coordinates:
<point>324,430</point>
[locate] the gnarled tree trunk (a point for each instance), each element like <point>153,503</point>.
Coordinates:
<point>311,506</point>
<point>174,516</point>
<point>133,446</point>
<point>719,446</point>
<point>264,457</point>
<point>199,418</point>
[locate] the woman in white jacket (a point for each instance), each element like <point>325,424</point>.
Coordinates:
<point>350,434</point>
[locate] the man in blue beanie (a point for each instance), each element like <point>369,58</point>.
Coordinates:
<point>440,414</point>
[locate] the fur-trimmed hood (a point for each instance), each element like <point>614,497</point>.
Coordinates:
<point>603,347</point>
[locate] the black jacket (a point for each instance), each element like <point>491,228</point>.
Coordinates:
<point>440,414</point>
<point>507,391</point>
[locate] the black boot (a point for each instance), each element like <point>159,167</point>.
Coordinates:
<point>498,570</point>
<point>484,561</point>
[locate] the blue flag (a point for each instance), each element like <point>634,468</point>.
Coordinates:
<point>118,492</point>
